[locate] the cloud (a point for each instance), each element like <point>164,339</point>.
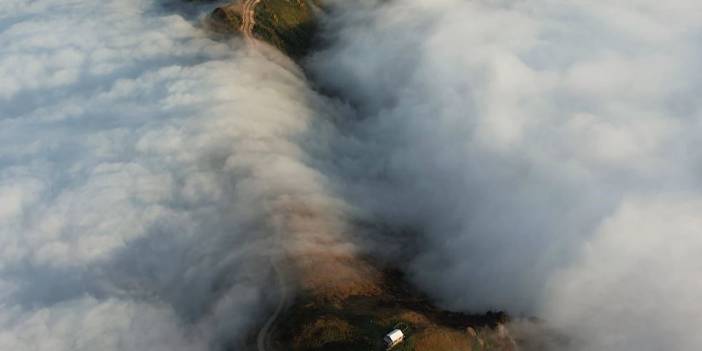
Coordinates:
<point>528,142</point>
<point>633,287</point>
<point>142,171</point>
<point>88,324</point>
<point>541,157</point>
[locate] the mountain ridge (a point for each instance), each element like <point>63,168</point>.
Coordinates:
<point>344,301</point>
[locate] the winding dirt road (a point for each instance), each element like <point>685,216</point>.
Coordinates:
<point>263,340</point>
<point>248,15</point>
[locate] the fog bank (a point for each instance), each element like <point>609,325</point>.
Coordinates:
<point>144,172</point>
<point>546,151</point>
<point>541,158</point>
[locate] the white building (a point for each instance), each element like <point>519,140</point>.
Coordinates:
<point>393,338</point>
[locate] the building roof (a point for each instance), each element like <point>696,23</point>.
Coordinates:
<point>395,335</point>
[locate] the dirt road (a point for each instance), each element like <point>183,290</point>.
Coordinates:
<point>248,15</point>
<point>263,340</point>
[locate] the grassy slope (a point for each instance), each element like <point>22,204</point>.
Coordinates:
<point>360,322</point>
<point>287,24</point>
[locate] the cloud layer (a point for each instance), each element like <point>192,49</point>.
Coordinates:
<point>545,150</point>
<point>144,169</point>
<point>546,153</point>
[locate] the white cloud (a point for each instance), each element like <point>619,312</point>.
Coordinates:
<point>510,133</point>
<point>634,286</point>
<point>141,167</point>
<point>544,150</point>
<point>88,324</point>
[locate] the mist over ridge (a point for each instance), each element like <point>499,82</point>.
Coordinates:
<point>539,148</point>
<point>539,157</point>
<point>146,175</point>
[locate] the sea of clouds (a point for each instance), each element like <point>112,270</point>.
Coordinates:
<point>542,157</point>
<point>141,166</point>
<point>547,151</point>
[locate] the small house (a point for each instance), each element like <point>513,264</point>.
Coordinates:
<point>393,338</point>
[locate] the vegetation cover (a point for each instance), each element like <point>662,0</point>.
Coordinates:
<point>359,322</point>
<point>289,25</point>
